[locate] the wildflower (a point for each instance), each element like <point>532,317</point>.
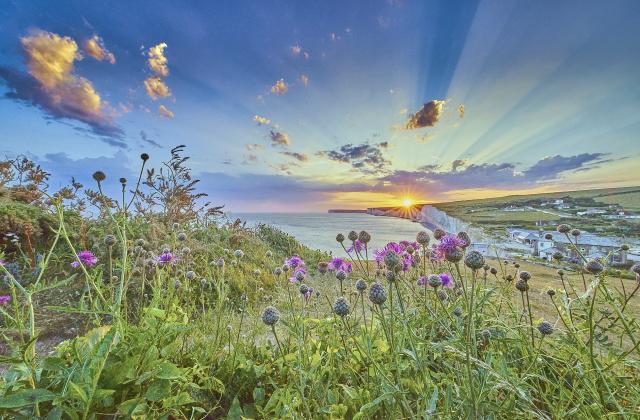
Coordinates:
<point>457,311</point>
<point>391,260</point>
<point>190,275</point>
<point>545,328</point>
<point>166,259</point>
<point>123,181</point>
<point>109,240</point>
<point>277,271</point>
<point>564,228</point>
<point>144,157</point>
<point>464,238</point>
<point>323,267</point>
<point>361,285</point>
<point>299,274</point>
<point>548,236</point>
<point>341,275</point>
<point>439,234</point>
<point>525,275</point>
<point>99,176</point>
<point>203,282</point>
<point>434,281</point>
<point>522,285</point>
<point>447,280</point>
<point>551,292</point>
<point>509,278</point>
<point>454,255</point>
<point>594,266</point>
<point>624,247</point>
<point>353,235</point>
<point>364,237</point>
<point>390,276</point>
<point>341,307</point>
<point>86,258</point>
<point>558,256</point>
<point>493,271</point>
<point>377,294</point>
<point>238,253</point>
<point>220,262</point>
<point>474,260</point>
<point>294,261</point>
<point>442,295</point>
<point>357,246</point>
<point>516,265</point>
<point>422,280</point>
<point>270,316</point>
<point>410,250</point>
<point>186,250</point>
<point>5,299</point>
<point>182,236</point>
<point>636,268</point>
<point>340,237</point>
<point>575,232</point>
<point>303,289</point>
<point>423,238</point>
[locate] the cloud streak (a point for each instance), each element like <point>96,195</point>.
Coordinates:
<point>365,157</point>
<point>94,47</point>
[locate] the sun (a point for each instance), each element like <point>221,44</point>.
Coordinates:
<point>407,202</point>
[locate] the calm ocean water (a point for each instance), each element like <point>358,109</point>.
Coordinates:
<point>318,230</point>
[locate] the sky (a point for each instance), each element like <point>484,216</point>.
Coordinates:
<point>305,106</point>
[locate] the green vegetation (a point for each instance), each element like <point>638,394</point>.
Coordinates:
<point>167,310</point>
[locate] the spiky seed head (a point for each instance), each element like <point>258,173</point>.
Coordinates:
<point>323,267</point>
<point>99,176</point>
<point>186,250</point>
<point>203,282</point>
<point>220,262</point>
<point>277,271</point>
<point>493,271</point>
<point>229,328</point>
<point>434,280</point>
<point>486,267</point>
<point>140,242</point>
<point>454,255</point>
<point>474,260</point>
<point>190,275</point>
<point>410,250</point>
<point>516,265</point>
<point>545,328</point>
<point>509,278</point>
<point>522,285</point>
<point>364,237</point>
<point>564,228</point>
<point>457,311</point>
<point>285,268</point>
<point>551,292</point>
<point>123,181</point>
<point>464,237</point>
<point>182,236</point>
<point>270,316</point>
<point>575,232</point>
<point>525,275</point>
<point>560,273</point>
<point>636,268</point>
<point>340,237</point>
<point>303,289</point>
<point>177,284</point>
<point>442,295</point>
<point>390,275</point>
<point>341,306</point>
<point>299,276</point>
<point>238,253</point>
<point>439,234</point>
<point>548,236</point>
<point>269,254</point>
<point>624,247</point>
<point>593,266</point>
<point>391,260</point>
<point>341,275</point>
<point>144,157</point>
<point>109,240</point>
<point>361,285</point>
<point>176,225</point>
<point>257,272</point>
<point>558,256</point>
<point>486,335</point>
<point>377,294</point>
<point>423,238</point>
<point>353,235</point>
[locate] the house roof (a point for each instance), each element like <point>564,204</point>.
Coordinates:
<point>585,238</point>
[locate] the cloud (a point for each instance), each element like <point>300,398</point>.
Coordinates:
<point>157,61</point>
<point>95,48</point>
<point>156,88</point>
<point>304,79</point>
<point>551,166</point>
<point>53,86</point>
<point>261,120</point>
<point>364,157</point>
<point>296,49</point>
<point>280,88</point>
<point>252,147</point>
<point>279,138</point>
<point>146,139</point>
<point>458,163</point>
<point>300,157</point>
<point>428,116</point>
<point>461,111</point>
<point>163,111</point>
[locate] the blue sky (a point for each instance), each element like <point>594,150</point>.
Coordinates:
<point>436,100</point>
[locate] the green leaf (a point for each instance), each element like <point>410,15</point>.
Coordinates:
<point>158,390</point>
<point>167,370</point>
<point>258,395</point>
<point>181,399</point>
<point>235,411</point>
<point>77,391</point>
<point>26,397</point>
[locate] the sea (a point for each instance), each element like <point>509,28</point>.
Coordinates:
<point>319,230</point>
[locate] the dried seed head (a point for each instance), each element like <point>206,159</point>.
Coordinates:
<point>545,328</point>
<point>525,275</point>
<point>439,234</point>
<point>423,238</point>
<point>190,275</point>
<point>364,237</point>
<point>341,275</point>
<point>548,236</point>
<point>454,255</point>
<point>99,176</point>
<point>144,157</point>
<point>340,237</point>
<point>594,266</point>
<point>493,271</point>
<point>270,316</point>
<point>434,280</point>
<point>464,237</point>
<point>341,307</point>
<point>109,240</point>
<point>361,285</point>
<point>377,294</point>
<point>522,285</point>
<point>474,260</point>
<point>182,236</point>
<point>564,228</point>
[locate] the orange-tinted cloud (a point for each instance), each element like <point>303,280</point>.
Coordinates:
<point>261,120</point>
<point>279,139</point>
<point>163,111</point>
<point>280,87</point>
<point>157,60</point>
<point>428,116</point>
<point>156,88</point>
<point>461,111</point>
<point>95,48</point>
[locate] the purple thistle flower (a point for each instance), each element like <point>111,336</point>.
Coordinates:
<point>166,259</point>
<point>422,280</point>
<point>379,254</point>
<point>407,262</point>
<point>338,263</point>
<point>357,246</point>
<point>449,243</point>
<point>447,281</point>
<point>294,262</point>
<point>298,275</point>
<point>5,299</point>
<point>86,258</point>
